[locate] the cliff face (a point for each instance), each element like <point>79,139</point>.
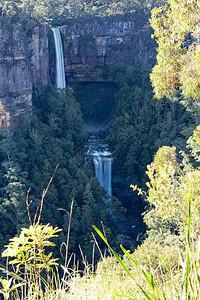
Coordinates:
<point>97,52</point>
<point>94,50</point>
<point>23,63</point>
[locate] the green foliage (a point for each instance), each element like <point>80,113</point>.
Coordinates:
<point>27,250</point>
<point>169,190</point>
<point>15,12</point>
<point>157,281</point>
<point>194,145</point>
<point>12,204</point>
<point>28,257</point>
<point>142,125</point>
<point>178,53</point>
<point>54,136</point>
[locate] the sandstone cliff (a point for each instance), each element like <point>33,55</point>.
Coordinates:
<point>23,64</point>
<point>96,51</point>
<point>92,46</point>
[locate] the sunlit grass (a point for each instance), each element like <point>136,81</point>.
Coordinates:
<point>145,279</point>
<point>154,271</point>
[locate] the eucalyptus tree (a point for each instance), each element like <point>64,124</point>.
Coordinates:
<point>176,30</point>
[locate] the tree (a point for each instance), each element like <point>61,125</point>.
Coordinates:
<point>13,198</point>
<point>178,59</point>
<point>170,190</point>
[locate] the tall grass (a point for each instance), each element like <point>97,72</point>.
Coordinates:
<point>114,277</point>
<point>181,283</point>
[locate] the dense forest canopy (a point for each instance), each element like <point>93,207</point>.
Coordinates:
<point>28,159</point>
<point>58,12</point>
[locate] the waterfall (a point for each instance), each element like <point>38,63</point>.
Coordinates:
<point>60,71</point>
<point>103,169</point>
<point>102,160</point>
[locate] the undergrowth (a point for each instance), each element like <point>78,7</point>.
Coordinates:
<point>151,272</point>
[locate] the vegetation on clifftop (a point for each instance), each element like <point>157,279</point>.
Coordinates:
<point>58,12</point>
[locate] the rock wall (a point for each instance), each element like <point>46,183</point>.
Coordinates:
<point>94,50</point>
<point>23,63</point>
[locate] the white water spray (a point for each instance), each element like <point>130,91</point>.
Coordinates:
<point>103,169</point>
<point>102,160</point>
<point>60,71</point>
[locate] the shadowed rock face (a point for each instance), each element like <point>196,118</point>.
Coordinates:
<point>95,49</point>
<point>24,63</point>
<point>97,53</point>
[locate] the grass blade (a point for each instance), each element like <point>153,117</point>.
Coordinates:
<point>146,294</point>
<point>113,252</point>
<point>128,255</point>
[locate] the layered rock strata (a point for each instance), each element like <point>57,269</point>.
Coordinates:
<point>94,50</point>
<point>24,63</point>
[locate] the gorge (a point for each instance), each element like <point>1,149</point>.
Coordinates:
<point>99,181</point>
<point>95,57</point>
<point>104,63</point>
<point>101,157</point>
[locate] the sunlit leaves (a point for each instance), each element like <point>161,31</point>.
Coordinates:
<point>169,191</point>
<point>28,248</point>
<point>178,60</point>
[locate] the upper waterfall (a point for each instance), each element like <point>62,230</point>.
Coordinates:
<point>60,71</point>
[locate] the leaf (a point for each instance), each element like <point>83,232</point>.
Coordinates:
<point>122,264</point>
<point>115,254</point>
<point>128,255</point>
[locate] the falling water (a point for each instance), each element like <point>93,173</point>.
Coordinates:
<point>103,169</point>
<point>60,71</point>
<point>102,160</point>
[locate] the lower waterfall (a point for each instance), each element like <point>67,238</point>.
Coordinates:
<point>103,170</point>
<point>102,160</point>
